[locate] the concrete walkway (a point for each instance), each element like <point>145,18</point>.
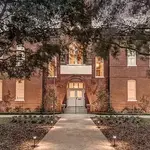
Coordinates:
<point>74,132</point>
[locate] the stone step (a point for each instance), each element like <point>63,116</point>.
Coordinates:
<point>75,110</point>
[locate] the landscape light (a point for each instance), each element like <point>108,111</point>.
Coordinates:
<point>34,139</point>
<point>98,122</point>
<point>114,138</point>
<point>52,122</point>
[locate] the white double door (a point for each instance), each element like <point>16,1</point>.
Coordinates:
<point>75,97</point>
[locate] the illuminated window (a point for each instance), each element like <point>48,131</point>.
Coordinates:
<point>52,68</point>
<point>20,90</point>
<point>72,94</point>
<point>80,85</point>
<point>131,90</point>
<point>79,93</point>
<point>131,58</point>
<point>75,54</point>
<point>75,85</point>
<point>99,68</point>
<point>1,83</point>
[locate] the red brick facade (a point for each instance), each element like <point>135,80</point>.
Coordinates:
<point>120,73</point>
<point>32,93</point>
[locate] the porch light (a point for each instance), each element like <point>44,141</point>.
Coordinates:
<point>114,139</point>
<point>34,140</point>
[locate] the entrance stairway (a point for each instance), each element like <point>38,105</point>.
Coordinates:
<point>75,110</point>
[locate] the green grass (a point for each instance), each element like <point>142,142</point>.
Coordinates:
<point>146,120</point>
<point>4,120</point>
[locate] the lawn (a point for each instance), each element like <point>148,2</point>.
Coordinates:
<point>132,133</point>
<point>17,133</point>
<point>4,120</point>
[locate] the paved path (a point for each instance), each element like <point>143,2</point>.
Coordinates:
<point>74,132</point>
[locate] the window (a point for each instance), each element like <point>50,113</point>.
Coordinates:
<point>99,67</point>
<point>79,94</point>
<point>1,91</point>
<point>131,58</point>
<point>75,54</point>
<point>75,85</point>
<point>53,68</point>
<point>20,55</point>
<point>131,90</point>
<point>72,94</point>
<point>20,90</point>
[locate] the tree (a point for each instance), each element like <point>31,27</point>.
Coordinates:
<point>115,24</point>
<point>21,23</point>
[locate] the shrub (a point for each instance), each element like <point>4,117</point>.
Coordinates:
<point>144,103</point>
<point>101,103</point>
<point>33,119</point>
<point>128,110</point>
<point>38,109</point>
<point>27,110</point>
<point>6,102</point>
<point>18,109</point>
<point>50,100</point>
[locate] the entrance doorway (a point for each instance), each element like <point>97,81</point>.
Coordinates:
<point>75,94</point>
<point>75,98</point>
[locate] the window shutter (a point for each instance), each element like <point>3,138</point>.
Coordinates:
<point>1,84</point>
<point>131,90</point>
<point>20,90</point>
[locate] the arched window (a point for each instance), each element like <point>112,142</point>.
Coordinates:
<point>75,54</point>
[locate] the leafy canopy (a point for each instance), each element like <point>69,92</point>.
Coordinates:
<point>46,28</point>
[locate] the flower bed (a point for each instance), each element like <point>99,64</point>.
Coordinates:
<point>132,133</point>
<point>18,133</point>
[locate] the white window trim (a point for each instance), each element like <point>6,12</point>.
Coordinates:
<point>132,100</point>
<point>99,77</point>
<point>76,64</point>
<point>20,48</point>
<point>75,59</point>
<point>134,57</point>
<point>19,99</point>
<point>103,69</point>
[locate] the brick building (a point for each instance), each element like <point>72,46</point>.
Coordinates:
<point>76,82</point>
